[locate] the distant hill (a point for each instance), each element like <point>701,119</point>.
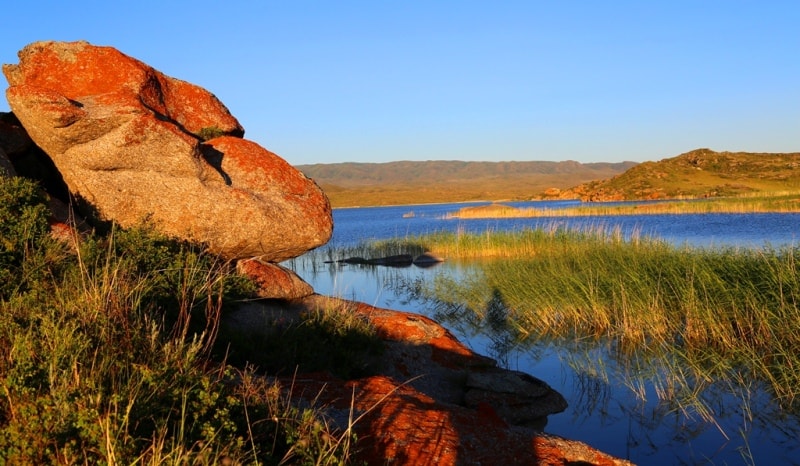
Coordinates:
<point>699,173</point>
<point>411,182</point>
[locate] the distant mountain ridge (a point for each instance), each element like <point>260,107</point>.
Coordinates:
<point>359,174</point>
<point>697,173</point>
<point>411,182</point>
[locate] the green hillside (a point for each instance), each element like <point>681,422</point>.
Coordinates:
<point>699,173</point>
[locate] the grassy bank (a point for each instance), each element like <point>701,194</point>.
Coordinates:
<point>745,204</point>
<point>110,354</point>
<point>710,314</point>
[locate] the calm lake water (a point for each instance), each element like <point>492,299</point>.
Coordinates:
<point>604,410</point>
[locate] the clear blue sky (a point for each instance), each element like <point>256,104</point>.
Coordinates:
<point>376,81</point>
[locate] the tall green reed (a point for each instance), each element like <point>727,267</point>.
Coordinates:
<point>715,312</point>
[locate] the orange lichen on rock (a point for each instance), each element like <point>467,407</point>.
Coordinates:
<point>414,412</point>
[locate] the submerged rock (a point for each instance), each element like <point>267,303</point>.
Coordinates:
<point>399,260</point>
<point>427,259</point>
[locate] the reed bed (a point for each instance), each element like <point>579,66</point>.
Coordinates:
<point>706,313</point>
<point>746,204</point>
<point>527,242</point>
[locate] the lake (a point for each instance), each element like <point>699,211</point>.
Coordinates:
<point>612,406</point>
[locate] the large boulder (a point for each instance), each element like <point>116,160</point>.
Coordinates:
<point>136,145</point>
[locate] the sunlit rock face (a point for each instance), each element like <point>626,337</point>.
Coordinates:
<point>137,145</point>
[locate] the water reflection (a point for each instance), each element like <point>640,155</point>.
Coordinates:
<point>644,405</point>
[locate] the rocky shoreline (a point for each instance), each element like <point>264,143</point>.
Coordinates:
<point>127,144</point>
<point>435,401</point>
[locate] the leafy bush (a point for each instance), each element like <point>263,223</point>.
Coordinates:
<point>24,227</point>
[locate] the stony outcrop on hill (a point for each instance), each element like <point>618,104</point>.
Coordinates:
<point>134,145</point>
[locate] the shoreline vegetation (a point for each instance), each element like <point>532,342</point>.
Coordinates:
<point>113,350</point>
<point>690,317</point>
<point>782,202</point>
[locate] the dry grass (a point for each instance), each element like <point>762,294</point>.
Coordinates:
<point>782,202</point>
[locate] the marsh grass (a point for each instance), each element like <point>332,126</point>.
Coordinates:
<point>106,355</point>
<point>745,204</point>
<point>702,315</point>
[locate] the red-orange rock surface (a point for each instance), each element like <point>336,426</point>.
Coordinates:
<point>273,281</point>
<point>128,140</point>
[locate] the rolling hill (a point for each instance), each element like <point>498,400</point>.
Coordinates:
<point>699,173</point>
<point>409,182</point>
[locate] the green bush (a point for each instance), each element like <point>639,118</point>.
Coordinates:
<point>210,132</point>
<point>23,229</point>
<point>105,354</point>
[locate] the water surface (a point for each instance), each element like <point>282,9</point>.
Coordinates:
<point>613,406</point>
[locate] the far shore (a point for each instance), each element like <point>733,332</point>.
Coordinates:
<point>783,203</point>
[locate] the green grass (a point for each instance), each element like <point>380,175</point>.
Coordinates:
<point>333,340</point>
<point>210,132</point>
<point>708,314</point>
<point>109,354</point>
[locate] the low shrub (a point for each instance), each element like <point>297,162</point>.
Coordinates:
<point>106,355</point>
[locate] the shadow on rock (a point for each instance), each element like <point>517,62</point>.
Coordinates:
<point>431,400</point>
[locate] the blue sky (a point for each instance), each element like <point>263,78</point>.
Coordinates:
<point>378,81</point>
